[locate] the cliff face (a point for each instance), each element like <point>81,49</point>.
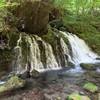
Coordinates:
<point>33,16</point>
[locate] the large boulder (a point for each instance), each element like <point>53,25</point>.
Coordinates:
<point>33,16</point>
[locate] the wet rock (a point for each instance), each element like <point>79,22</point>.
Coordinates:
<point>13,83</point>
<point>33,21</point>
<point>91,87</point>
<point>26,74</point>
<point>35,74</point>
<point>70,64</point>
<point>88,66</point>
<point>97,58</point>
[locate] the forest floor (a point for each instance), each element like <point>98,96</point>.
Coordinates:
<point>56,85</point>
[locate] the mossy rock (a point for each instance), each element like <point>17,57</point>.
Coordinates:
<point>91,87</point>
<point>88,66</point>
<point>13,83</point>
<point>26,74</point>
<point>77,97</point>
<point>35,74</point>
<point>74,97</point>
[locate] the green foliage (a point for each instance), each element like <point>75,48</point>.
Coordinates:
<point>77,6</point>
<point>4,3</point>
<point>74,97</point>
<point>91,87</point>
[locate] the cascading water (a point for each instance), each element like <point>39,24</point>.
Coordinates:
<point>45,58</point>
<point>81,53</point>
<point>66,52</point>
<point>34,54</point>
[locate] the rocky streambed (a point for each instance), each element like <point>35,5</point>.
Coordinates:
<point>56,85</point>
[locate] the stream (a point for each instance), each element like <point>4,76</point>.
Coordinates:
<point>56,85</point>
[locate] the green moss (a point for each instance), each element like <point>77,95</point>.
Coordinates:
<point>74,97</point>
<point>2,88</point>
<point>91,87</point>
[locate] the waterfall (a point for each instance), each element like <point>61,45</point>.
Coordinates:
<point>50,58</point>
<point>66,52</point>
<point>18,55</point>
<point>33,54</point>
<point>40,55</point>
<point>81,53</point>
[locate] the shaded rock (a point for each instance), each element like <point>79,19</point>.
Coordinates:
<point>85,98</point>
<point>91,87</point>
<point>70,64</point>
<point>88,66</point>
<point>97,58</point>
<point>13,83</point>
<point>62,28</point>
<point>57,23</point>
<point>35,73</point>
<point>26,74</point>
<point>35,20</point>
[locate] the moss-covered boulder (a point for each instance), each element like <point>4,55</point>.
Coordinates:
<point>13,83</point>
<point>35,73</point>
<point>90,87</point>
<point>77,97</point>
<point>33,16</point>
<point>88,66</point>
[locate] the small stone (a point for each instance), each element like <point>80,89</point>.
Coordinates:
<point>35,74</point>
<point>81,93</point>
